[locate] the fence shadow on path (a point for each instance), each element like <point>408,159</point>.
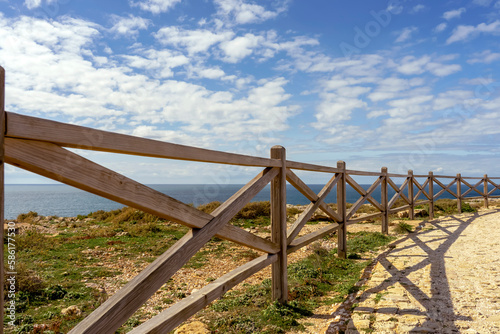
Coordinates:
<point>412,291</point>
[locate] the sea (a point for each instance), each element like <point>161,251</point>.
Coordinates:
<point>65,201</point>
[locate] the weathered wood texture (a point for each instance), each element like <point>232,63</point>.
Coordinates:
<point>411,195</point>
<point>309,194</point>
<point>278,227</point>
<point>310,209</point>
<point>486,203</point>
<point>459,193</point>
<point>167,320</point>
<point>74,136</point>
<point>115,311</point>
<point>431,194</point>
<point>384,200</point>
<point>342,211</point>
<point>72,169</point>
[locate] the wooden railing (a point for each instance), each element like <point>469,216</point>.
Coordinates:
<point>38,145</point>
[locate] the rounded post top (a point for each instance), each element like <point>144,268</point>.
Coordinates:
<point>278,152</point>
<point>341,164</point>
<point>431,173</point>
<point>410,171</point>
<point>383,169</point>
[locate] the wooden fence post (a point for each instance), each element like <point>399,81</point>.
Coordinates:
<point>431,195</point>
<point>459,193</point>
<point>411,212</point>
<point>2,203</point>
<point>342,211</point>
<point>486,191</point>
<point>278,228</point>
<point>384,200</point>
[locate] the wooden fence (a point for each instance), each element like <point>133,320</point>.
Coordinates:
<point>38,145</point>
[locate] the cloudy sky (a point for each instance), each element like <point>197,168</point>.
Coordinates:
<point>405,84</point>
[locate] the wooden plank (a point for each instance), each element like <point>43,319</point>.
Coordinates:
<point>115,311</point>
<point>310,167</point>
<point>459,193</point>
<point>471,188</point>
<point>295,181</point>
<point>421,189</point>
<point>304,217</point>
<point>445,188</point>
<point>384,200</point>
<point>278,228</point>
<point>363,199</point>
<point>399,192</point>
<point>397,175</point>
<point>74,136</point>
<point>52,161</point>
<point>497,186</point>
<point>411,196</point>
<point>305,240</point>
<point>401,208</point>
<point>362,192</point>
<point>167,320</point>
<point>2,191</point>
<point>431,194</point>
<point>361,173</point>
<point>342,211</point>
<point>486,204</point>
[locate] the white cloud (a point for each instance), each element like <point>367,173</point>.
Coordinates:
<point>484,3</point>
<point>158,63</point>
<point>411,65</point>
<point>194,41</point>
<point>485,57</point>
<point>441,27</point>
<point>32,4</point>
<point>464,32</point>
<point>406,34</point>
<point>240,47</point>
<point>51,72</point>
<point>242,12</point>
<point>155,6</point>
<point>129,26</point>
<point>452,14</point>
<point>417,9</point>
<point>451,98</point>
<point>391,87</point>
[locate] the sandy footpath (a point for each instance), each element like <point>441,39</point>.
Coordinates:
<point>444,278</point>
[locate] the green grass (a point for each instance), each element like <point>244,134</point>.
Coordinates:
<point>57,271</point>
<point>309,281</point>
<point>403,228</point>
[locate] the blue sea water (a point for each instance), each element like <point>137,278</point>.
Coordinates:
<point>65,201</point>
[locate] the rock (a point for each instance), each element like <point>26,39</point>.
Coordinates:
<point>72,310</point>
<point>421,213</point>
<point>195,327</point>
<point>403,214</point>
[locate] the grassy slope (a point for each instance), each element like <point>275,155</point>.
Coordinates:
<point>58,270</point>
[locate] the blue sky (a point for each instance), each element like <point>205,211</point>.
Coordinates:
<point>403,84</point>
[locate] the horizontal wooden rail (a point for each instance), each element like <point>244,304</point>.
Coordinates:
<point>74,136</point>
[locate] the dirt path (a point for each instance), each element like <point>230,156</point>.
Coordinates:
<point>445,278</point>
